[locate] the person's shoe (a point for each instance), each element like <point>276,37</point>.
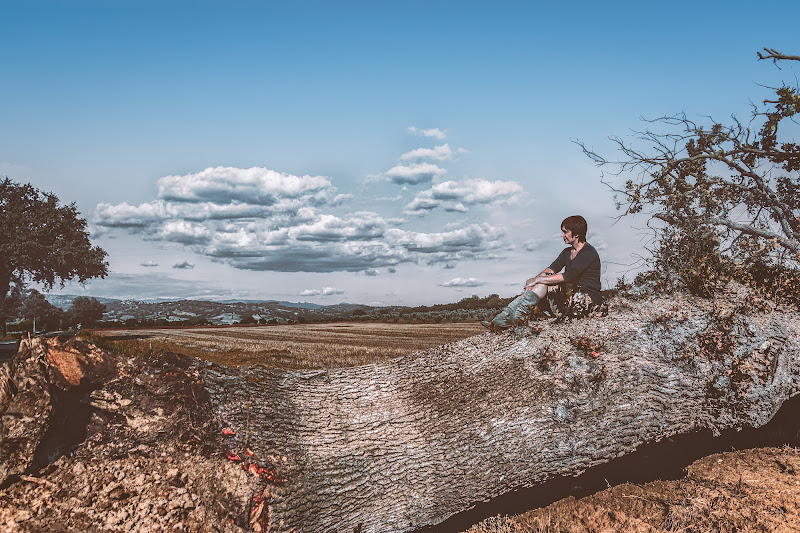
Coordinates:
<point>504,320</point>
<point>494,328</point>
<point>524,308</point>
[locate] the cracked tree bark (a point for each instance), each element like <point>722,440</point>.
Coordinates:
<point>397,446</point>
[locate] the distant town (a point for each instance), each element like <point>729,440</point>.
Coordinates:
<point>134,313</point>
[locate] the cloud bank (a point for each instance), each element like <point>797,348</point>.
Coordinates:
<point>263,220</point>
<point>456,196</point>
<point>414,173</point>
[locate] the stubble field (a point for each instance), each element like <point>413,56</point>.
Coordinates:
<point>289,346</point>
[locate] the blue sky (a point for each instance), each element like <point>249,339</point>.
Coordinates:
<point>279,150</point>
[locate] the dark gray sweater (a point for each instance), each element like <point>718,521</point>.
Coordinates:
<point>583,271</point>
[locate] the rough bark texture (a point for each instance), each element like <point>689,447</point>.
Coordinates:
<point>397,446</point>
<point>378,448</point>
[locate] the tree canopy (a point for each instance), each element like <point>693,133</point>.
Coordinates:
<point>42,241</point>
<point>85,311</point>
<point>38,309</point>
<point>725,194</point>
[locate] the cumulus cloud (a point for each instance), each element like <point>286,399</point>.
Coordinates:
<point>148,263</point>
<point>395,246</point>
<point>455,196</point>
<point>372,272</point>
<point>291,233</point>
<point>256,185</point>
<point>437,153</point>
<point>414,173</point>
<point>221,193</point>
<point>532,245</point>
<point>435,133</point>
<point>325,291</point>
<point>463,282</point>
<point>594,239</point>
<point>183,265</point>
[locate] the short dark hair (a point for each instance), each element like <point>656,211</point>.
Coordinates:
<point>577,225</point>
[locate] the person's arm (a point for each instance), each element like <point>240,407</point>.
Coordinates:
<point>546,272</point>
<point>546,277</point>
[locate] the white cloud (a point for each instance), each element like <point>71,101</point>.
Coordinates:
<point>436,133</point>
<point>183,265</point>
<point>325,291</point>
<point>594,239</point>
<point>148,263</point>
<point>437,153</point>
<point>463,282</point>
<point>414,173</point>
<point>372,272</point>
<point>455,196</point>
<point>256,185</point>
<point>295,237</point>
<point>220,193</point>
<point>361,226</point>
<point>532,245</point>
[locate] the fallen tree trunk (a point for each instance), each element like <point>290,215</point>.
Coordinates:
<point>388,447</point>
<point>397,446</point>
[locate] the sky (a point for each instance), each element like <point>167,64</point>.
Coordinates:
<point>380,152</point>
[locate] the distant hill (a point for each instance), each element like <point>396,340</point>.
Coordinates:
<point>64,301</point>
<point>133,313</point>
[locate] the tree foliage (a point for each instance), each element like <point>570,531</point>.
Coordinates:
<point>42,241</point>
<point>44,315</point>
<point>85,311</point>
<point>726,195</point>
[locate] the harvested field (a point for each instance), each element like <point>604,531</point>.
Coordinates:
<point>289,346</point>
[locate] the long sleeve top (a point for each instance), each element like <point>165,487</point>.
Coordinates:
<point>583,271</point>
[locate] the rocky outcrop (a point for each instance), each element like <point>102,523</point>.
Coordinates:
<point>25,409</point>
<point>177,443</point>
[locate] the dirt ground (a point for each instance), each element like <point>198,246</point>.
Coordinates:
<point>746,490</point>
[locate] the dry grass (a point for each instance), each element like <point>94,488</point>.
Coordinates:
<point>289,346</point>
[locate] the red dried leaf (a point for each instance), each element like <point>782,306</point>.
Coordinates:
<point>233,457</point>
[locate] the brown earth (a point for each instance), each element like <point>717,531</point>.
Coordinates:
<point>746,490</point>
<point>133,444</point>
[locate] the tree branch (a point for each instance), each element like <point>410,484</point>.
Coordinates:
<point>774,55</point>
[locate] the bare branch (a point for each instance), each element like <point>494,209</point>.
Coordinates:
<point>774,55</point>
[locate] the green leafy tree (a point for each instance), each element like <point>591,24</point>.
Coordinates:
<point>724,196</point>
<point>42,314</point>
<point>85,311</point>
<point>41,241</point>
<point>10,305</point>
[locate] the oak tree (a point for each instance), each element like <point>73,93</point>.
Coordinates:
<point>42,313</point>
<point>724,195</point>
<point>42,241</point>
<point>85,311</point>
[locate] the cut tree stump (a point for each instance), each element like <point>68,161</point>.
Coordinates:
<point>406,444</point>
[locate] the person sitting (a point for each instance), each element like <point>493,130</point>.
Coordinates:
<point>573,294</point>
